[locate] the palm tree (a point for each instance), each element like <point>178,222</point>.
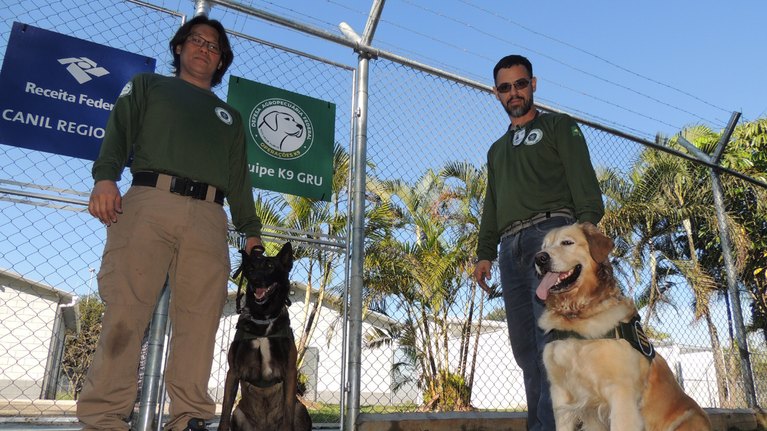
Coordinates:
<point>747,204</point>
<point>746,221</point>
<point>464,202</point>
<point>429,266</point>
<point>319,220</point>
<point>635,222</point>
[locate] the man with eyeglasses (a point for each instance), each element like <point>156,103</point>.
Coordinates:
<point>539,176</point>
<point>187,153</point>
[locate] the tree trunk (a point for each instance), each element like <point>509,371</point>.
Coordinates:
<point>466,333</point>
<point>470,381</point>
<point>311,324</point>
<point>723,387</point>
<point>654,291</point>
<point>427,344</point>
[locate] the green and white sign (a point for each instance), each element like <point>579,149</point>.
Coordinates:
<point>289,136</point>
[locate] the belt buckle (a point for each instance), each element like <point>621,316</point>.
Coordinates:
<point>178,185</point>
<point>194,189</point>
<point>187,187</point>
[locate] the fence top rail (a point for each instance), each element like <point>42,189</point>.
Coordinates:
<point>157,8</point>
<point>291,50</point>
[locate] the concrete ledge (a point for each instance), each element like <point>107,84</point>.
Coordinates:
<point>721,420</point>
<point>736,420</point>
<point>60,412</point>
<point>464,421</point>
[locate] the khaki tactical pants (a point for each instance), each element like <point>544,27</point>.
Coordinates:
<point>158,234</point>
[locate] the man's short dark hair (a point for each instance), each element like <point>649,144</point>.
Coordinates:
<point>512,60</point>
<point>223,42</point>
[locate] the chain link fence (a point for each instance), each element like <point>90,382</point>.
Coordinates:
<point>426,324</point>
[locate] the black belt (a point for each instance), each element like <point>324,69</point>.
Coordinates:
<point>523,224</point>
<point>179,186</point>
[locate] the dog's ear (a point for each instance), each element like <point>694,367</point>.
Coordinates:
<point>600,245</point>
<point>286,256</point>
<point>270,120</point>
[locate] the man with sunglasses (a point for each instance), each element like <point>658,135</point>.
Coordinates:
<point>187,153</point>
<point>539,176</point>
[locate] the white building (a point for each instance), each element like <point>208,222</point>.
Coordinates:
<point>35,318</point>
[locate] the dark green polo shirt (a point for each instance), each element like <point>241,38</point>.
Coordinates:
<point>177,128</point>
<point>546,168</point>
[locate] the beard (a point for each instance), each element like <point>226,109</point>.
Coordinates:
<point>519,111</point>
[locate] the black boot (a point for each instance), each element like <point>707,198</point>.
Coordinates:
<point>195,424</point>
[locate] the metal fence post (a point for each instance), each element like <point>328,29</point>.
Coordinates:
<point>729,262</point>
<point>353,387</point>
<point>732,291</point>
<point>153,369</point>
<point>357,255</point>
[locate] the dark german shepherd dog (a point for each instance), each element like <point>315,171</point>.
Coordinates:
<point>262,357</point>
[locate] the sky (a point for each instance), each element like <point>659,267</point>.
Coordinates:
<point>641,67</point>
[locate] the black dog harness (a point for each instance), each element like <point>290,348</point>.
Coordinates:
<point>246,326</point>
<point>246,322</point>
<point>630,331</point>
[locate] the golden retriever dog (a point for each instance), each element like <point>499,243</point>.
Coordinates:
<point>603,370</point>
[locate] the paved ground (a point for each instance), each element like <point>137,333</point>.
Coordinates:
<point>73,426</point>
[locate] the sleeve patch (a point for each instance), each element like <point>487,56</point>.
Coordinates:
<point>576,131</point>
<point>126,90</point>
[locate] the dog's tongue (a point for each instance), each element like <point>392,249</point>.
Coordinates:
<point>260,292</point>
<point>547,281</point>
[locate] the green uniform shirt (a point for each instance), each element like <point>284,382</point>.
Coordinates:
<point>174,127</point>
<point>548,169</point>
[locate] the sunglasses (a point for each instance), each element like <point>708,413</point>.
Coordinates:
<point>197,40</point>
<point>519,85</point>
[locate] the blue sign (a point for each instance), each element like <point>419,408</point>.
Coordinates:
<point>56,91</point>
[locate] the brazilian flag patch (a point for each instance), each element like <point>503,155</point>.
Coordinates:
<point>576,131</point>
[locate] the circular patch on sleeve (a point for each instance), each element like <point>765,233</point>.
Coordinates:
<point>127,89</point>
<point>224,116</point>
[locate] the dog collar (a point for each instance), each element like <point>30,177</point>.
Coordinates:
<point>630,331</point>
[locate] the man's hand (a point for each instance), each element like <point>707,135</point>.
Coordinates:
<point>105,202</point>
<point>482,273</point>
<point>253,241</point>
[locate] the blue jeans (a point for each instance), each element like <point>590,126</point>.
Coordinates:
<point>523,308</point>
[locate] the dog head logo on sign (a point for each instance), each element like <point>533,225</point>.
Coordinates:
<point>281,128</point>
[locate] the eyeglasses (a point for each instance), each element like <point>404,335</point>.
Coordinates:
<point>519,85</point>
<point>200,41</point>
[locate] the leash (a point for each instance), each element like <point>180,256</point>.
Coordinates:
<point>630,331</point>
